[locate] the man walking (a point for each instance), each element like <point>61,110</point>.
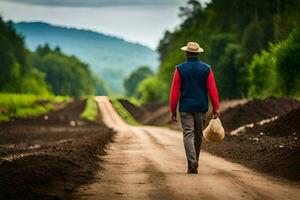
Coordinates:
<point>193,81</point>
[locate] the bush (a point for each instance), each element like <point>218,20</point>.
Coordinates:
<point>263,76</point>
<point>288,63</point>
<point>151,89</point>
<point>135,78</point>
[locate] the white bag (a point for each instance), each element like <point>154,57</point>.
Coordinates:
<point>214,132</point>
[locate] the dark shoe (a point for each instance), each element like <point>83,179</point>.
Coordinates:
<point>193,169</point>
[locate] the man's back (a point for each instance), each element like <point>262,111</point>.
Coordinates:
<point>193,74</point>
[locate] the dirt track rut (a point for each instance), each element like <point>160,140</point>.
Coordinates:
<point>149,163</point>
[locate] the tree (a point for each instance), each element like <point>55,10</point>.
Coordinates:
<point>150,89</point>
<point>288,63</point>
<point>263,77</point>
<point>16,73</point>
<point>66,75</point>
<point>135,78</point>
<point>277,71</point>
<point>232,73</point>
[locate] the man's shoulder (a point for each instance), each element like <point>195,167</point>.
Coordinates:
<point>204,64</point>
<point>201,63</point>
<point>180,65</point>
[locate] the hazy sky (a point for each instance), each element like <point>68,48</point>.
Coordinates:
<point>102,2</point>
<point>142,21</point>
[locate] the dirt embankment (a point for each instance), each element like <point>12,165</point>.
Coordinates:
<point>48,157</point>
<point>256,110</point>
<point>271,148</point>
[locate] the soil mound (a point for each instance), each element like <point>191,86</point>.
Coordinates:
<point>285,125</point>
<point>257,110</point>
<point>49,157</point>
<point>272,148</point>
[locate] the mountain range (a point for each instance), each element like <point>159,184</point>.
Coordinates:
<point>110,58</point>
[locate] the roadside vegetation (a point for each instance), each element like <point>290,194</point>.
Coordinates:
<point>90,111</point>
<point>26,105</point>
<point>123,112</point>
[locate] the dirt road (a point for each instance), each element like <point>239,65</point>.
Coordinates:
<point>149,163</point>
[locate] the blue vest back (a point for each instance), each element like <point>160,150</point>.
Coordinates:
<point>193,74</point>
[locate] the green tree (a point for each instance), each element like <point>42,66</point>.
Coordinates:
<point>16,73</point>
<point>232,73</point>
<point>150,89</point>
<point>135,78</point>
<point>277,71</point>
<point>263,77</point>
<point>66,75</point>
<point>288,63</point>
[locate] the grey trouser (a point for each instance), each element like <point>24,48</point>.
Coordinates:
<point>192,125</point>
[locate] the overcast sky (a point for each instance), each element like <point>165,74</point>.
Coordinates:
<point>143,21</point>
<point>103,2</point>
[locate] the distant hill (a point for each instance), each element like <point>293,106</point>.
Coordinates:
<point>109,57</point>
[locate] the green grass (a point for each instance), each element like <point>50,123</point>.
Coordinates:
<point>132,100</point>
<point>26,105</point>
<point>123,112</point>
<point>90,112</point>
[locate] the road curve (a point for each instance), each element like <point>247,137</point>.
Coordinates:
<point>149,163</point>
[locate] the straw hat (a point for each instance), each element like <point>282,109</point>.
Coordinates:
<point>192,47</point>
<point>214,132</point>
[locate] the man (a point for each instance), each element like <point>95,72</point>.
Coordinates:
<point>193,81</point>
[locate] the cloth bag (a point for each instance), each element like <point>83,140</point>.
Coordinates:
<point>214,132</point>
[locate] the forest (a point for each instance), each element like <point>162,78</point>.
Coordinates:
<point>253,47</point>
<point>45,71</point>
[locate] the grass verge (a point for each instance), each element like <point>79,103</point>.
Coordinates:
<point>90,112</point>
<point>123,112</point>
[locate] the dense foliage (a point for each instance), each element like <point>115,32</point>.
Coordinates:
<point>232,32</point>
<point>66,75</point>
<point>150,89</point>
<point>131,82</point>
<point>281,67</point>
<point>44,71</point>
<point>16,73</point>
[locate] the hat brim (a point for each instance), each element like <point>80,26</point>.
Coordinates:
<point>185,48</point>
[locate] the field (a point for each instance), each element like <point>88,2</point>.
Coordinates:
<point>49,156</point>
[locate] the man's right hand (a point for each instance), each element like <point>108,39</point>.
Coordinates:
<point>216,114</point>
<point>174,116</point>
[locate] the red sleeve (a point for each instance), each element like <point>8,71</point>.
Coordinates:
<point>212,90</point>
<point>175,91</point>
